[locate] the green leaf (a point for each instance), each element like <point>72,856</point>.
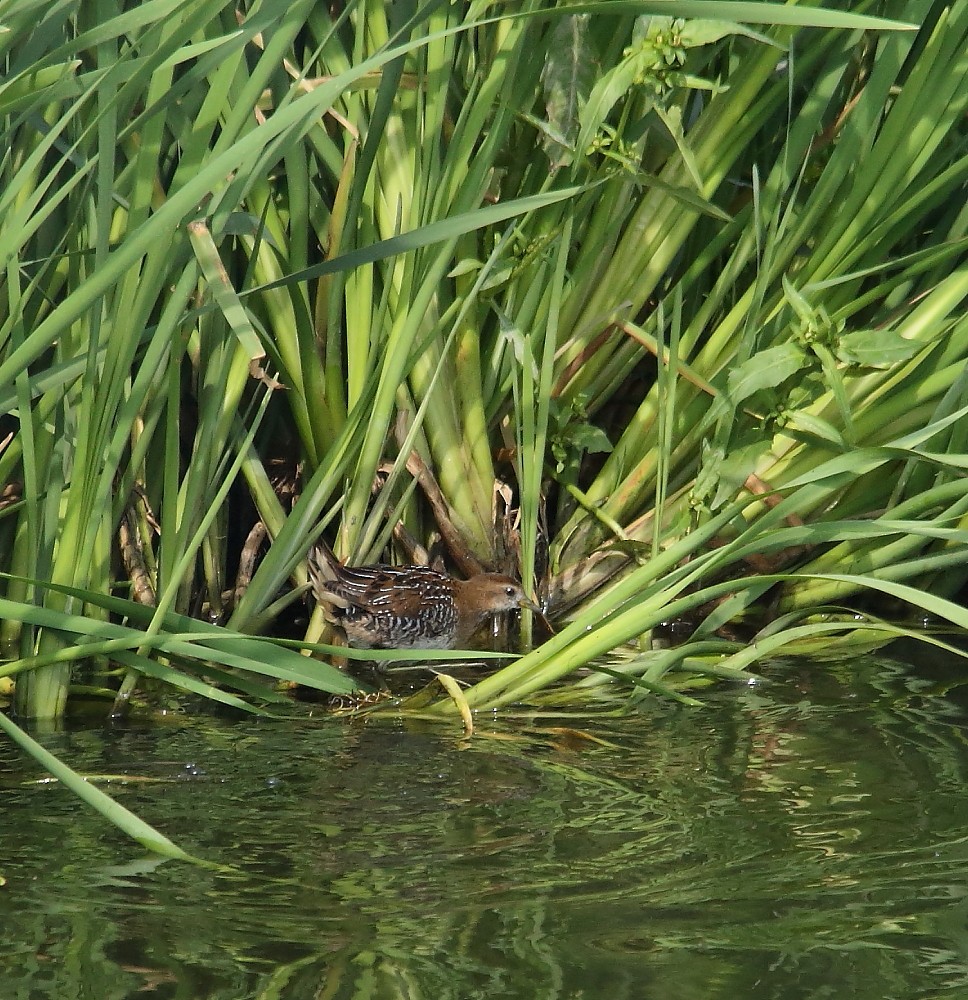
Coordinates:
<point>672,120</point>
<point>835,383</point>
<point>203,642</point>
<point>805,312</point>
<point>810,423</point>
<point>222,290</point>
<point>765,370</point>
<point>467,265</point>
<point>606,93</point>
<point>876,348</point>
<point>588,437</point>
<point>514,335</point>
<point>734,470</point>
<point>567,77</point>
<point>28,87</point>
<point>703,32</point>
<point>114,812</point>
<point>751,12</point>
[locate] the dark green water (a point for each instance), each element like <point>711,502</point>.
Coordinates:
<point>806,838</point>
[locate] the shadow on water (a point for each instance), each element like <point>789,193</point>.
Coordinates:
<point>806,838</point>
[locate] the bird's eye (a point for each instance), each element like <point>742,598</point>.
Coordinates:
<point>509,591</point>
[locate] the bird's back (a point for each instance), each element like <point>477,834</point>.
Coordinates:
<point>382,606</point>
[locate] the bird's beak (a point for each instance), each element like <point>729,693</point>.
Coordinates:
<point>539,611</point>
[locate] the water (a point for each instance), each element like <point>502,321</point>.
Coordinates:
<point>807,838</point>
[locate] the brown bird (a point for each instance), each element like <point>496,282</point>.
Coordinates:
<point>408,607</point>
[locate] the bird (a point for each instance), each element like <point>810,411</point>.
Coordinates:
<point>408,607</point>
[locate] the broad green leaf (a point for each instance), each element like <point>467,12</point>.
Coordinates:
<point>876,348</point>
<point>766,369</point>
<point>567,77</point>
<point>588,437</point>
<point>812,424</point>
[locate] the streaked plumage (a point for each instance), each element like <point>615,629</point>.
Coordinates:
<point>408,607</point>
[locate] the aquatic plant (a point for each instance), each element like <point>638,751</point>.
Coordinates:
<point>662,313</point>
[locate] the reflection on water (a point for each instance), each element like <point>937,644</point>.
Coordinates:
<point>807,838</point>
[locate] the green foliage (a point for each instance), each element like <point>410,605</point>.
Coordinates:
<point>644,288</point>
<point>572,436</point>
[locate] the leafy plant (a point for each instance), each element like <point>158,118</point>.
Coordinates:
<point>658,304</point>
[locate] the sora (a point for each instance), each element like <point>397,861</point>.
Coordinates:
<point>408,607</point>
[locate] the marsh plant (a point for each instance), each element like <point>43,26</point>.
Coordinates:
<point>660,312</point>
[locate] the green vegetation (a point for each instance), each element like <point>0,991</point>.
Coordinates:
<point>663,313</point>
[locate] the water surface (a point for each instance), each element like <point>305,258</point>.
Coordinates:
<point>803,838</point>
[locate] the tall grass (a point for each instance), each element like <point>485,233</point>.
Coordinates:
<point>664,315</point>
